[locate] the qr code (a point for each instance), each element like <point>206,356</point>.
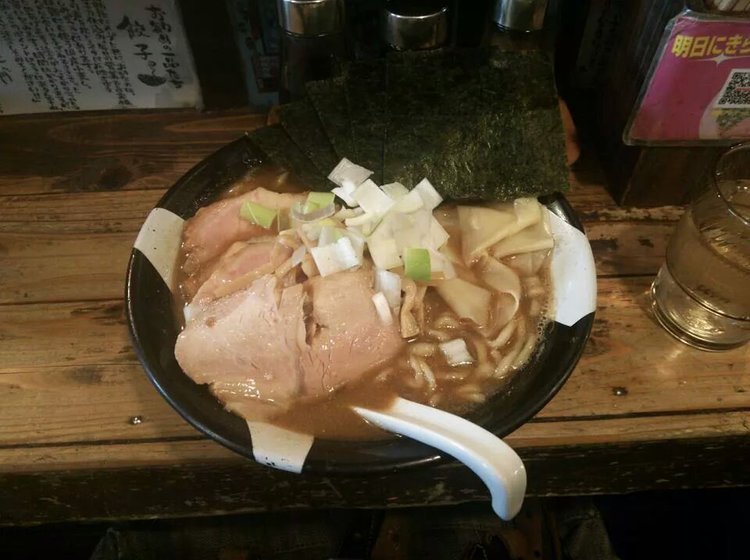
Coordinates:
<point>736,91</point>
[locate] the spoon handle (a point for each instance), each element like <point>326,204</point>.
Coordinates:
<point>499,467</point>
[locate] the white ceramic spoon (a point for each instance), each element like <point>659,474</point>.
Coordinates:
<point>499,467</point>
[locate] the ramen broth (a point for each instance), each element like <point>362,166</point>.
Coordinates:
<point>457,389</point>
<point>420,371</point>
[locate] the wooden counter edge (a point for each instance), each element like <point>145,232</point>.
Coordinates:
<point>243,486</point>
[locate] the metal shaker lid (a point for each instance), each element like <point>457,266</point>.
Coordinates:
<point>311,17</point>
<point>520,15</point>
<point>415,25</point>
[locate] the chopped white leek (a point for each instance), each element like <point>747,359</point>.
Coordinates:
<point>369,227</point>
<point>430,196</point>
<point>329,234</point>
<point>418,221</point>
<point>345,194</point>
<point>395,190</point>
<point>438,263</point>
<point>395,223</point>
<point>382,307</point>
<point>345,213</point>
<point>384,228</point>
<point>410,202</point>
<point>358,242</point>
<point>456,352</point>
<point>384,252</point>
<point>408,237</point>
<point>347,174</point>
<point>450,254</point>
<point>449,271</point>
<point>364,224</point>
<point>335,257</point>
<point>438,235</point>
<point>372,199</point>
<point>360,220</point>
<point>390,284</point>
<point>312,230</point>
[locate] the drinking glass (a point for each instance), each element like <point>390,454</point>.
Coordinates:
<point>702,292</point>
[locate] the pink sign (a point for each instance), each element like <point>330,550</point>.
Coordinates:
<point>699,89</point>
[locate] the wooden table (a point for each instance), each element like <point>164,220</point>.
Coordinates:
<point>84,435</point>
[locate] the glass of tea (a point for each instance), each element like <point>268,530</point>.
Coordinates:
<point>702,293</point>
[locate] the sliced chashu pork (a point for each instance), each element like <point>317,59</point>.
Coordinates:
<point>215,227</point>
<point>347,337</point>
<point>219,267</point>
<point>238,339</point>
<point>239,266</point>
<point>269,344</point>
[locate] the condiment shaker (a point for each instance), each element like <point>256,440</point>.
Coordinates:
<point>520,15</point>
<point>313,43</point>
<point>415,25</point>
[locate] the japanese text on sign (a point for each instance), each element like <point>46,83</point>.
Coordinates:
<point>687,46</point>
<point>62,55</point>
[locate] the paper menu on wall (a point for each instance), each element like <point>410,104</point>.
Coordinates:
<point>70,55</point>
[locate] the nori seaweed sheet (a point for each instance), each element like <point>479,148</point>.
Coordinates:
<point>302,124</point>
<point>413,145</point>
<point>494,156</point>
<point>328,97</point>
<point>282,151</point>
<point>435,83</point>
<point>366,102</point>
<point>479,124</point>
<point>520,79</point>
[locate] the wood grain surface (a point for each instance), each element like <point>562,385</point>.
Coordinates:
<point>640,411</point>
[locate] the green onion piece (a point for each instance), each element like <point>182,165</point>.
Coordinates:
<point>417,264</point>
<point>322,199</point>
<point>258,214</point>
<point>317,200</point>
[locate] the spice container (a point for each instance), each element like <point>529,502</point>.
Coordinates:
<point>520,15</point>
<point>313,43</point>
<point>415,25</point>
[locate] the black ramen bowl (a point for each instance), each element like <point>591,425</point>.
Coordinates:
<point>154,328</point>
